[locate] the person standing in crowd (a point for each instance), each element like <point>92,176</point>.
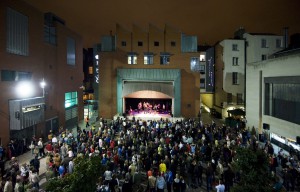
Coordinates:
<point>87,121</point>
<point>8,187</point>
<point>151,182</point>
<point>169,180</point>
<point>160,183</point>
<point>220,187</point>
<point>40,145</point>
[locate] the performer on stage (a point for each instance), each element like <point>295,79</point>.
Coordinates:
<point>140,107</point>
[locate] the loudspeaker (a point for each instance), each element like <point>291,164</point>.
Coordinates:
<point>266,126</point>
<point>298,140</point>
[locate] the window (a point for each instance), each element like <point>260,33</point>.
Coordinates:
<point>140,43</point>
<point>239,98</point>
<point>278,43</point>
<point>71,99</point>
<point>282,93</point>
<point>90,70</point>
<point>263,57</point>
<point>202,58</point>
<point>194,64</point>
<point>263,43</point>
<point>173,44</point>
<point>148,58</point>
<point>23,76</point>
<point>17,33</point>
<point>235,78</point>
<point>234,47</point>
<point>123,43</point>
<point>132,59</point>
<point>164,58</point>
<point>202,83</point>
<point>229,98</point>
<point>50,34</point>
<point>156,43</point>
<point>8,75</point>
<point>235,61</point>
<point>71,51</point>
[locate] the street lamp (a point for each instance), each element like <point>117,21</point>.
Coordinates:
<point>43,85</point>
<point>25,89</point>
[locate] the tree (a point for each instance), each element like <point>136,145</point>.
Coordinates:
<point>254,171</point>
<point>87,171</point>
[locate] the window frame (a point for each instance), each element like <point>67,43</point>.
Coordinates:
<point>132,59</point>
<point>148,59</point>
<point>235,78</point>
<point>234,47</point>
<point>165,59</point>
<point>235,61</point>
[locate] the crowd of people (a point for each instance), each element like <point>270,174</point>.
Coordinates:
<point>157,154</point>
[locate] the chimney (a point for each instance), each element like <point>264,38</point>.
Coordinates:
<point>286,37</point>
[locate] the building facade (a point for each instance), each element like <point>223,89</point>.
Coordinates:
<point>153,64</point>
<point>273,89</point>
<point>37,47</point>
<point>232,57</point>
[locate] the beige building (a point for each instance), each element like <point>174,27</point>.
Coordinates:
<point>149,64</point>
<point>34,47</point>
<point>232,57</point>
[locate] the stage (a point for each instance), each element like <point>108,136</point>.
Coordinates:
<point>149,116</point>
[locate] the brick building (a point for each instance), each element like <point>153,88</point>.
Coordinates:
<point>33,47</point>
<point>154,64</point>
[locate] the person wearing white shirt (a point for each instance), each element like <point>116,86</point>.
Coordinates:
<point>220,187</point>
<point>54,140</point>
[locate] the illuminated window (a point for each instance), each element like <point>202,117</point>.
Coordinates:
<point>194,64</point>
<point>148,58</point>
<point>90,70</point>
<point>71,99</point>
<point>132,58</point>
<point>202,58</point>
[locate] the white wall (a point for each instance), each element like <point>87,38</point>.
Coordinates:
<point>229,68</point>
<point>254,49</point>
<point>283,66</point>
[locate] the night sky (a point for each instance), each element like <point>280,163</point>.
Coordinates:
<point>210,20</point>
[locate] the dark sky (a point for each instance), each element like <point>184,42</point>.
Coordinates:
<point>210,20</point>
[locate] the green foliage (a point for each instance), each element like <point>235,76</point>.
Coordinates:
<point>86,173</point>
<point>253,166</point>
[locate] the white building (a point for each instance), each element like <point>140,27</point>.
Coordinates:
<point>236,53</point>
<point>273,96</point>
